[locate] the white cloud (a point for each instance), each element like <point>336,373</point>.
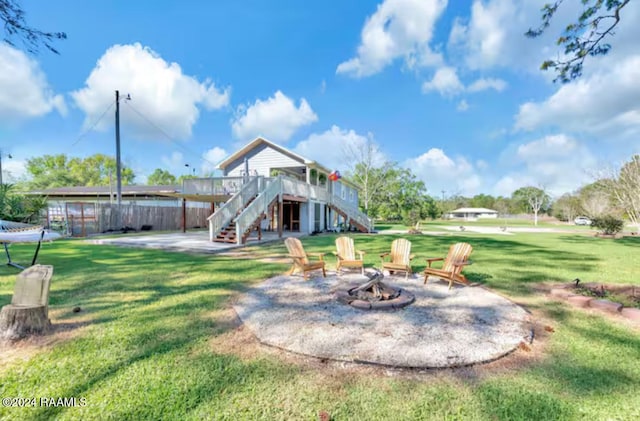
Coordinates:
<point>493,36</point>
<point>329,148</point>
<point>462,106</point>
<point>606,101</point>
<point>159,90</point>
<point>212,157</point>
<point>13,169</point>
<point>398,28</point>
<point>487,83</point>
<point>275,118</point>
<point>549,147</point>
<point>512,182</point>
<point>557,162</point>
<point>174,163</point>
<point>24,90</point>
<point>445,81</point>
<point>440,172</point>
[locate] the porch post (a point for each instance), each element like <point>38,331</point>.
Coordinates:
<point>280,218</point>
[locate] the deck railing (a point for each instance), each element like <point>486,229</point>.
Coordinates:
<point>238,201</point>
<point>267,189</point>
<point>212,186</point>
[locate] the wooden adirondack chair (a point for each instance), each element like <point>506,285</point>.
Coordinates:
<point>456,260</point>
<point>346,254</point>
<point>400,257</point>
<point>301,258</point>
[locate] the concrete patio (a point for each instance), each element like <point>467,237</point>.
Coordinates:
<point>191,242</point>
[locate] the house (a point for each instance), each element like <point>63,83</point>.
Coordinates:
<point>264,186</point>
<point>267,186</point>
<point>472,214</point>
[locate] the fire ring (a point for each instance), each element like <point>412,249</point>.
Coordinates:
<point>374,294</point>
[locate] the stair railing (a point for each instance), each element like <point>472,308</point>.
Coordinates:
<point>352,212</point>
<point>230,209</point>
<point>259,206</point>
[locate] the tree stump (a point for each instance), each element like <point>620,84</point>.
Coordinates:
<point>17,321</point>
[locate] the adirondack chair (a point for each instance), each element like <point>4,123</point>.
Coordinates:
<point>399,258</point>
<point>456,260</point>
<point>301,258</point>
<point>346,254</point>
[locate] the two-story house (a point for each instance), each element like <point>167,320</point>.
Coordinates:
<point>267,186</point>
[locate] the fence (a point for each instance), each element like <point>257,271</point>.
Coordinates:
<point>154,217</point>
<point>82,219</point>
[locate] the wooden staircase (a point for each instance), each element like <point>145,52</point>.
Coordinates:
<point>257,225</point>
<point>228,233</point>
<point>353,222</point>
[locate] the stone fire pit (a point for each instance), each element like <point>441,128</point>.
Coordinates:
<point>441,328</point>
<point>374,294</point>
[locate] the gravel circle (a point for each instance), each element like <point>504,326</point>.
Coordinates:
<point>442,328</point>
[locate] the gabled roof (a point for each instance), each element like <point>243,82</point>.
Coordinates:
<point>260,140</point>
<point>474,210</point>
<point>256,142</point>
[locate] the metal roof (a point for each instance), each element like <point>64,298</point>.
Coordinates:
<point>474,210</point>
<point>128,190</point>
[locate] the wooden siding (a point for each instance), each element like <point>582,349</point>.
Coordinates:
<point>261,159</point>
<point>350,194</point>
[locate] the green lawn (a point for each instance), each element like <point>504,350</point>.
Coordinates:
<point>438,224</point>
<point>142,346</point>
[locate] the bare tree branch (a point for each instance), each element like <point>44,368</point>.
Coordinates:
<point>15,26</point>
<point>583,38</point>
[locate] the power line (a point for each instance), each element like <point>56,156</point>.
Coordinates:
<point>84,134</point>
<point>165,134</point>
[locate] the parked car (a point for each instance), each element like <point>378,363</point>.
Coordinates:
<point>582,220</point>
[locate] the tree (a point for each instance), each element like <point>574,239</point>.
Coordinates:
<point>402,194</point>
<point>15,26</point>
<point>60,171</point>
<point>367,171</point>
<point>626,189</point>
<point>19,208</point>
<point>161,177</point>
<point>185,177</point>
<point>567,207</point>
<point>595,198</point>
<point>482,201</point>
<point>534,198</point>
<point>584,37</point>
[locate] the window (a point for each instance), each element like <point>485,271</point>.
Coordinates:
<point>350,195</point>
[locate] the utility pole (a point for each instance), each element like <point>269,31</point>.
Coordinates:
<point>443,192</point>
<point>118,166</point>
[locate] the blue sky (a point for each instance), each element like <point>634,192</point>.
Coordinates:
<point>450,89</point>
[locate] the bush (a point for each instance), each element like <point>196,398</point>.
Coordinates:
<point>608,225</point>
<point>411,217</point>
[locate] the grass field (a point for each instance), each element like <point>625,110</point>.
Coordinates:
<point>436,224</point>
<point>154,340</point>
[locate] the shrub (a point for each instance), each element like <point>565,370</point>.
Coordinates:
<point>608,224</point>
<point>411,217</point>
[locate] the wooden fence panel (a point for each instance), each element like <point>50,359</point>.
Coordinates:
<point>160,218</point>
